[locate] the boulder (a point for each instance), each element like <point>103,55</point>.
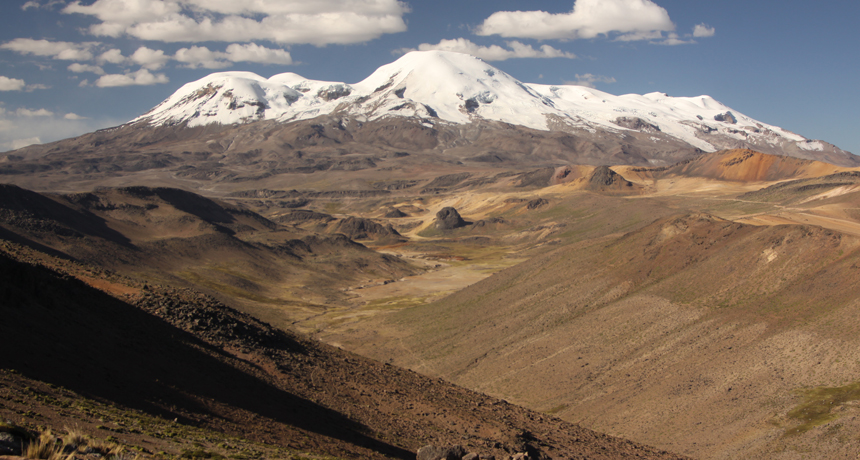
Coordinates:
<point>441,453</point>
<point>10,444</point>
<point>448,219</point>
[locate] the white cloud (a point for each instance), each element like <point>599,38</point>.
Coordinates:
<point>200,56</point>
<point>21,143</point>
<point>58,50</point>
<point>149,59</point>
<point>22,112</point>
<point>114,56</point>
<point>703,30</point>
<point>118,14</point>
<point>11,84</point>
<point>589,80</point>
<point>376,7</point>
<point>494,52</point>
<point>81,68</point>
<point>18,130</point>
<point>588,19</point>
<point>36,86</point>
<point>142,77</point>
<point>282,21</point>
<point>34,4</point>
<point>673,39</point>
<point>258,54</point>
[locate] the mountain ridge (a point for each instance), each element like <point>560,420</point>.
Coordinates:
<point>445,87</point>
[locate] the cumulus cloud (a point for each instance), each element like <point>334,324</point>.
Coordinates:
<point>200,56</point>
<point>114,56</point>
<point>74,116</point>
<point>142,77</point>
<point>703,30</point>
<point>58,50</point>
<point>83,68</point>
<point>588,19</point>
<point>258,54</point>
<point>589,80</point>
<point>22,112</point>
<point>11,84</point>
<point>149,58</point>
<point>494,52</point>
<point>283,21</point>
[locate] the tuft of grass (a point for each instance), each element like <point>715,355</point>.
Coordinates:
<point>75,439</point>
<point>817,407</point>
<point>47,447</point>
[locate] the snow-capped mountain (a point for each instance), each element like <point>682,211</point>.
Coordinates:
<point>438,87</point>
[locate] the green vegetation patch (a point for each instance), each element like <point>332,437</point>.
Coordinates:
<point>817,407</point>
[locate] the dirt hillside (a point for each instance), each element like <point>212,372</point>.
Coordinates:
<point>152,351</point>
<point>700,335</point>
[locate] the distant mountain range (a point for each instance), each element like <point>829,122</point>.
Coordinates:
<point>427,108</point>
<point>439,87</point>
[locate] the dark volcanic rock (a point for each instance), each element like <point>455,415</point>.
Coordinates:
<point>358,228</point>
<point>603,177</point>
<point>448,219</point>
<point>394,213</point>
<point>727,117</point>
<point>441,453</point>
<point>637,124</point>
<point>537,203</point>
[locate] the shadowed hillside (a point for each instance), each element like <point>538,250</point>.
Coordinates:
<point>181,355</point>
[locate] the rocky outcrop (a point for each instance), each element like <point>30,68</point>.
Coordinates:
<point>604,178</point>
<point>448,219</point>
<point>358,228</point>
<point>394,213</point>
<point>727,117</point>
<point>537,203</point>
<point>637,124</point>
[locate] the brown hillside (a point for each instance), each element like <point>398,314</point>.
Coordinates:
<point>138,351</point>
<point>177,237</point>
<point>738,165</point>
<point>696,334</point>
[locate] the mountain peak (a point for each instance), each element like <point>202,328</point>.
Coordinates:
<point>432,87</point>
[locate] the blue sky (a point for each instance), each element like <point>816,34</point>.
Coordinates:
<point>70,67</point>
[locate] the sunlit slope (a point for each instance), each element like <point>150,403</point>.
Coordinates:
<point>695,334</point>
<point>740,165</point>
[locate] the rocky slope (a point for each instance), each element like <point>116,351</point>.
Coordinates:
<point>88,348</point>
<point>697,334</point>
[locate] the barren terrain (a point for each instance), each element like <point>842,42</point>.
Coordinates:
<point>705,308</point>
